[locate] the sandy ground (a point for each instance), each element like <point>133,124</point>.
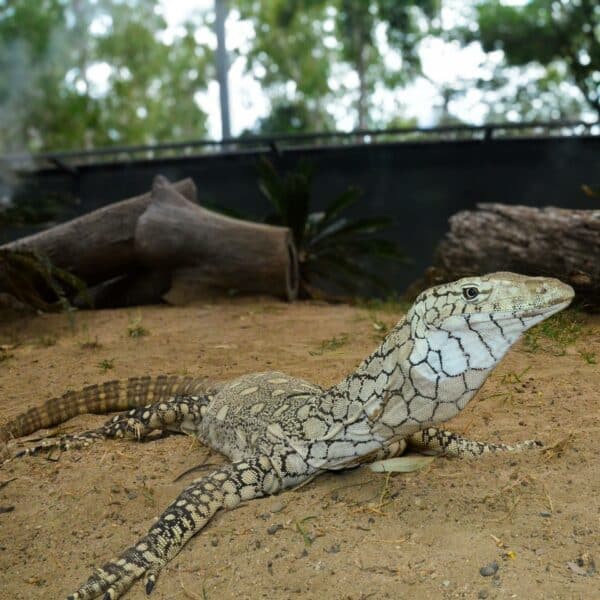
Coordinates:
<point>354,535</point>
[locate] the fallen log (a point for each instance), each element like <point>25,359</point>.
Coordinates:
<point>547,241</point>
<point>99,245</point>
<point>138,288</point>
<point>223,252</point>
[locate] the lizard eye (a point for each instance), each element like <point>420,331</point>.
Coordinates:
<point>470,293</point>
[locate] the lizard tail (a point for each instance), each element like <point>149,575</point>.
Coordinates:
<point>111,396</point>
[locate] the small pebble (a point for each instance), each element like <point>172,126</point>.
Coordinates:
<point>483,594</point>
<point>214,542</point>
<point>277,507</point>
<point>545,514</point>
<point>489,570</point>
<point>273,529</point>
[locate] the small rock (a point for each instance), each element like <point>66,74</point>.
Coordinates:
<point>545,514</point>
<point>277,507</point>
<point>446,583</point>
<point>483,594</point>
<point>334,549</point>
<point>304,553</point>
<point>273,529</point>
<point>132,495</point>
<point>576,568</point>
<point>214,542</point>
<point>489,570</point>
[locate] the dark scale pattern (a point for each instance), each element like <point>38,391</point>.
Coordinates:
<point>179,415</point>
<point>281,431</point>
<point>190,512</point>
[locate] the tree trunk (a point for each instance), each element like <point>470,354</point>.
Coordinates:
<point>227,253</point>
<point>548,241</point>
<point>99,245</point>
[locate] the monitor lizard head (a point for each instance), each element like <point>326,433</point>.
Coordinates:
<point>458,332</point>
<point>498,299</point>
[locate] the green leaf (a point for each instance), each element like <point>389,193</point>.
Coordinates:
<point>401,464</point>
<point>270,183</point>
<point>354,271</point>
<point>341,203</point>
<point>374,247</point>
<point>343,227</point>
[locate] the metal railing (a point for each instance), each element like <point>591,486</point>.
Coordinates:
<point>70,160</point>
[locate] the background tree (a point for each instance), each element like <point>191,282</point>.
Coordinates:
<point>313,57</point>
<point>83,74</point>
<point>291,57</point>
<point>551,56</point>
<point>368,31</point>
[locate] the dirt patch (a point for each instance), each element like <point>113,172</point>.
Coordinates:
<point>352,535</point>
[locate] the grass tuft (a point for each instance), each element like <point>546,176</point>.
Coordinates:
<point>331,344</point>
<point>555,334</point>
<point>135,329</point>
<point>106,364</point>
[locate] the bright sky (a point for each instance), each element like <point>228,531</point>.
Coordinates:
<point>443,63</point>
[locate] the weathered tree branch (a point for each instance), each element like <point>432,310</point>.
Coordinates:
<point>99,245</point>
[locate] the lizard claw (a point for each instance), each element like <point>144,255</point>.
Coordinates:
<point>62,443</point>
<point>117,576</point>
<point>150,582</point>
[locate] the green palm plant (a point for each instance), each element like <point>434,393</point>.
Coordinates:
<point>332,247</point>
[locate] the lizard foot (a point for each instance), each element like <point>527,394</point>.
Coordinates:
<point>62,443</point>
<point>116,577</point>
<point>120,426</point>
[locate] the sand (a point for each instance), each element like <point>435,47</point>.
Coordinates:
<point>353,535</point>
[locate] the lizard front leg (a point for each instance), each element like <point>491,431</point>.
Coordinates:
<point>439,441</point>
<point>188,514</point>
<point>179,414</point>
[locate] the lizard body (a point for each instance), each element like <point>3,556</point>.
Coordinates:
<point>281,431</point>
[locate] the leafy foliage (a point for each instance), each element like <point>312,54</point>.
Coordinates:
<point>331,246</point>
<point>50,98</point>
<point>33,280</point>
<point>557,42</point>
<point>300,44</point>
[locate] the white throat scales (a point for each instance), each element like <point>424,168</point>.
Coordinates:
<point>443,370</point>
<point>420,375</point>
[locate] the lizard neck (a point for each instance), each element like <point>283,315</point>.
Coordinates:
<point>421,376</point>
<point>365,390</point>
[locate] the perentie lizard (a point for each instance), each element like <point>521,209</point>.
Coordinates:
<point>280,431</point>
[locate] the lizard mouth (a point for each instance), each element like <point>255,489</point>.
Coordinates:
<point>552,308</point>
